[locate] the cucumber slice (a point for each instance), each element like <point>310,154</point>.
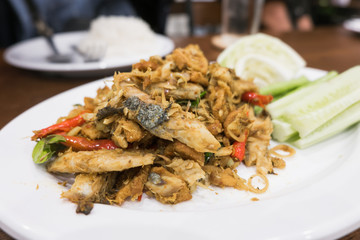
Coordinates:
<point>339,123</point>
<point>283,87</point>
<point>331,98</point>
<point>278,107</point>
<point>282,131</point>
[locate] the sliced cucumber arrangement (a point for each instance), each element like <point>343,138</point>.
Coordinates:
<point>317,110</point>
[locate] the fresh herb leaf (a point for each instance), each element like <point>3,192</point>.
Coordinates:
<point>46,148</point>
<point>194,103</point>
<point>55,139</point>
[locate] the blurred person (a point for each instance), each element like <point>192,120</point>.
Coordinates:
<point>16,22</point>
<point>287,15</point>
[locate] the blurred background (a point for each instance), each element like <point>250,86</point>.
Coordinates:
<point>174,18</point>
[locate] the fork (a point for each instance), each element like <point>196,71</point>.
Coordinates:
<point>43,29</point>
<point>91,50</point>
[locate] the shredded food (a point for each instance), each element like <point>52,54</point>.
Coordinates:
<point>166,127</point>
<point>282,147</point>
<point>257,189</point>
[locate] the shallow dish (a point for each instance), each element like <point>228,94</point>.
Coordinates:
<point>352,25</point>
<point>31,54</point>
<point>314,197</point>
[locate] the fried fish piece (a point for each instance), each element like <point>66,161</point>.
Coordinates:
<point>90,188</point>
<point>224,177</point>
<point>181,150</point>
<point>133,188</point>
<point>189,170</point>
<point>191,57</point>
<point>154,118</point>
<point>167,187</point>
<point>188,91</point>
<point>100,161</point>
<point>257,146</point>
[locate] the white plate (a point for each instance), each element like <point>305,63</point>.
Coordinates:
<point>352,25</point>
<point>31,54</point>
<point>315,196</point>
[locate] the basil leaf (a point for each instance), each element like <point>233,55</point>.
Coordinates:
<point>46,148</point>
<point>37,151</point>
<point>55,139</point>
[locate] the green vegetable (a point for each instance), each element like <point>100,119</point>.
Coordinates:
<point>318,110</point>
<point>279,88</point>
<point>194,103</point>
<point>46,148</point>
<point>339,123</point>
<point>277,108</point>
<point>330,99</point>
<point>282,131</point>
<point>202,94</point>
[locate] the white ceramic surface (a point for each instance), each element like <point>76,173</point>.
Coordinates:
<point>31,54</point>
<point>352,25</point>
<point>315,197</point>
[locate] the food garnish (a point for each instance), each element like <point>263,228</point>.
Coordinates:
<point>46,148</point>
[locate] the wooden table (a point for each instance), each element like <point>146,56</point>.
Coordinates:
<point>330,48</point>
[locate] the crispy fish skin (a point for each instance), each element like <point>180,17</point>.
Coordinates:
<point>100,161</point>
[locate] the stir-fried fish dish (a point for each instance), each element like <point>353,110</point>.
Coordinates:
<point>167,127</point>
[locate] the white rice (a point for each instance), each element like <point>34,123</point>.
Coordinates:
<point>123,36</point>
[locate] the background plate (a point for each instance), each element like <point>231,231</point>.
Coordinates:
<point>31,54</point>
<point>352,25</point>
<point>315,197</point>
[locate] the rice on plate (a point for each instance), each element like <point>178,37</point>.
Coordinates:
<point>122,36</point>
